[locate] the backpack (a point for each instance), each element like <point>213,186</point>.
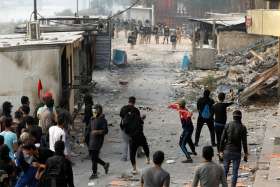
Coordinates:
<point>206,114</point>
<point>58,170</point>
<point>131,123</point>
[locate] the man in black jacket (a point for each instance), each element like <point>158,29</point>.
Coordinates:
<point>58,171</point>
<point>205,109</point>
<point>132,125</point>
<point>98,130</point>
<point>233,139</point>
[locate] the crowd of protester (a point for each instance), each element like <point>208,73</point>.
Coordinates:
<point>35,149</point>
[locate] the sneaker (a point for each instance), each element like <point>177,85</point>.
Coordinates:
<point>106,167</point>
<point>134,172</point>
<point>140,154</point>
<point>93,176</point>
<point>221,159</point>
<point>189,160</point>
<point>194,153</point>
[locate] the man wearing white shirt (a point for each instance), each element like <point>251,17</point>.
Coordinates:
<point>57,133</point>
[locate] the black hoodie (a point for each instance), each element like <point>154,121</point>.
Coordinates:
<point>96,141</point>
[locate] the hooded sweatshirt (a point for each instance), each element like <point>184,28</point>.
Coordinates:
<point>96,140</point>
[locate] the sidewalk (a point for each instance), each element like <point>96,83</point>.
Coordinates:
<point>268,174</point>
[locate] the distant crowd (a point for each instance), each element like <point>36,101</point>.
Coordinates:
<point>137,31</point>
<point>35,149</point>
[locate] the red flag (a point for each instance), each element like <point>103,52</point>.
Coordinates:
<point>40,87</point>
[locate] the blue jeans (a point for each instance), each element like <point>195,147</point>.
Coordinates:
<point>27,178</point>
<point>186,138</point>
<point>235,168</point>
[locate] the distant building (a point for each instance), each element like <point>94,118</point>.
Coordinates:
<point>56,60</point>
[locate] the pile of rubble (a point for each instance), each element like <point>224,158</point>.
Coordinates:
<point>251,71</point>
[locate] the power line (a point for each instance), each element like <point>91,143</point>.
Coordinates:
<point>121,12</point>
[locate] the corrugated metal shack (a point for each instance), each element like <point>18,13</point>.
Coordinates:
<point>64,58</point>
<point>97,34</point>
<point>56,59</point>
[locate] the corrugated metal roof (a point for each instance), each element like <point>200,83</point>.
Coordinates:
<point>224,22</point>
<point>17,40</point>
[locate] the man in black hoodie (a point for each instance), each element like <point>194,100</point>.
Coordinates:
<point>59,170</point>
<point>205,109</point>
<point>132,125</point>
<point>98,130</point>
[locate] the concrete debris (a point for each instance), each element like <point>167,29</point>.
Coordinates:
<point>170,162</point>
<point>251,71</point>
<point>123,83</point>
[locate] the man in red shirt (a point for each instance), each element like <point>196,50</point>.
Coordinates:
<point>187,125</point>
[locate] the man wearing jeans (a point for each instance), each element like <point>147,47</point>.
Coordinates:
<point>220,112</point>
<point>125,136</point>
<point>233,139</point>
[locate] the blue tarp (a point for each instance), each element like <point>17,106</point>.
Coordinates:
<point>119,57</point>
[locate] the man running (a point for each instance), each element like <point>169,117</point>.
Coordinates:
<point>98,131</point>
<point>187,125</point>
<point>132,124</point>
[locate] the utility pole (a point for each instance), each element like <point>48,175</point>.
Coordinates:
<point>77,8</point>
<point>35,10</point>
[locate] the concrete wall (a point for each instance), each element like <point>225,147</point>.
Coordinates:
<point>204,58</point>
<point>264,22</point>
<point>21,70</point>
<point>230,40</point>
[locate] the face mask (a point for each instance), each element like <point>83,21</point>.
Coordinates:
<point>94,112</point>
<point>28,158</point>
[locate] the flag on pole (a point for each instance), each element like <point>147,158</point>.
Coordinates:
<point>40,88</point>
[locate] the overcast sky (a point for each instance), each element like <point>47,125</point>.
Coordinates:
<point>22,9</point>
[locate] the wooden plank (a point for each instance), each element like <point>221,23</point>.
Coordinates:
<point>256,55</point>
<point>258,84</point>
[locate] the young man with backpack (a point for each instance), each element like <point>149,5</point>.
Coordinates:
<point>58,171</point>
<point>205,109</point>
<point>187,125</point>
<point>132,125</point>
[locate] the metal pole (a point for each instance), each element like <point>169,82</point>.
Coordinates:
<point>77,8</point>
<point>214,34</point>
<point>35,10</point>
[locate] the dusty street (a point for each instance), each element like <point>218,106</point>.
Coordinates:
<point>151,72</point>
